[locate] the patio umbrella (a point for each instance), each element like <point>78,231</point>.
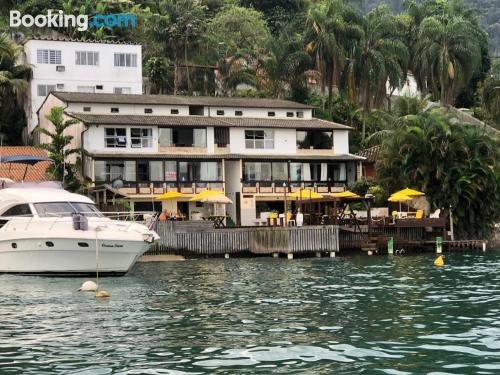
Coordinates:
<point>205,193</point>
<point>170,195</point>
<point>399,198</point>
<point>409,192</point>
<point>345,194</point>
<point>216,199</point>
<point>305,193</point>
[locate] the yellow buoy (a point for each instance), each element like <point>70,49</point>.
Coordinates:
<point>102,294</point>
<point>439,262</point>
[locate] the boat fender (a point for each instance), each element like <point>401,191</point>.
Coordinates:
<point>439,262</point>
<point>102,294</point>
<point>88,286</point>
<point>80,222</point>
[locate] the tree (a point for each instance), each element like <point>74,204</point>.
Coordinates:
<point>332,30</point>
<point>13,85</point>
<point>454,164</point>
<point>58,149</point>
<point>447,53</point>
<point>177,26</point>
<point>157,70</point>
<point>239,36</point>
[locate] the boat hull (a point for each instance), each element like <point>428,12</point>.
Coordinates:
<point>76,256</point>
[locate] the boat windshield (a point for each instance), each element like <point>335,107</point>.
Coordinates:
<point>62,209</point>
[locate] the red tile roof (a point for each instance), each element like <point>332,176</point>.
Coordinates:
<point>371,154</point>
<point>16,172</point>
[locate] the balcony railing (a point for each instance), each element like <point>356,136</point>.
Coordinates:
<point>276,187</point>
<point>157,188</point>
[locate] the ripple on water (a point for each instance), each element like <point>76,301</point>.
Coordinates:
<point>373,315</point>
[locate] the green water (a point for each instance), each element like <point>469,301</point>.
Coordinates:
<point>370,315</point>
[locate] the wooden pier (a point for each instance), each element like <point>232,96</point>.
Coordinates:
<point>200,238</point>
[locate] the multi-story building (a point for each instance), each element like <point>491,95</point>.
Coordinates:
<point>72,65</point>
<point>140,146</point>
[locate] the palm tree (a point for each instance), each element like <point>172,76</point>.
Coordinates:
<point>455,164</point>
<point>58,148</point>
<point>447,53</point>
<point>332,29</point>
<point>14,77</point>
<point>380,57</point>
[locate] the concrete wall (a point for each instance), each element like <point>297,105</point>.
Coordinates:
<point>105,73</point>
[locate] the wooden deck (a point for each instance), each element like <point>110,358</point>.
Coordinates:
<point>200,238</point>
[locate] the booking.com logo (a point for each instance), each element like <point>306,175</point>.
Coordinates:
<point>81,22</point>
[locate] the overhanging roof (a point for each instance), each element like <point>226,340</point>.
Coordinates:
<point>117,155</point>
<point>211,101</point>
<point>193,121</point>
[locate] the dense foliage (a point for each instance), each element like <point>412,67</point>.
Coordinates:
<point>455,164</point>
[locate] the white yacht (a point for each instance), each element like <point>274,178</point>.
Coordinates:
<point>49,230</point>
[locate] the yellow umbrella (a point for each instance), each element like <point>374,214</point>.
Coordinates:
<point>170,195</point>
<point>205,193</point>
<point>305,194</point>
<point>399,198</point>
<point>409,192</point>
<point>345,194</point>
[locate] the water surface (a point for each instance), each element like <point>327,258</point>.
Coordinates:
<point>372,315</point>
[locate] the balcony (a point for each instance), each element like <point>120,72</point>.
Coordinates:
<point>276,187</point>
<point>157,188</point>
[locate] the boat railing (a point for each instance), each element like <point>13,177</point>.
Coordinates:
<point>146,218</point>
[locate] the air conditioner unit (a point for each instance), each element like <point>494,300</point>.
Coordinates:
<point>60,68</point>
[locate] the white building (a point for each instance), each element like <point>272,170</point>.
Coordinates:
<point>72,65</point>
<point>253,149</point>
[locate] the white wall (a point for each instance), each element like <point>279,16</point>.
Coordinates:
<point>128,109</point>
<point>284,142</point>
<point>105,73</point>
<point>341,142</point>
<point>233,173</point>
<point>94,141</point>
<point>259,112</point>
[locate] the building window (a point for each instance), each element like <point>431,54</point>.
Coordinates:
<point>87,58</point>
<point>48,56</point>
<point>115,137</point>
<point>87,109</point>
<point>44,90</point>
<point>98,87</point>
<point>88,89</point>
<point>182,137</point>
<point>148,110</point>
<point>196,110</point>
<point>115,110</point>
<point>238,113</point>
<point>174,111</point>
<point>209,171</point>
<point>221,136</point>
<point>141,137</point>
<point>156,170</point>
<point>60,86</point>
<point>315,139</point>
<point>259,139</point>
<point>220,112</point>
<point>143,171</point>
<point>300,114</point>
<point>126,59</point>
<point>170,171</point>
<point>271,114</point>
<point>257,171</point>
<point>111,170</point>
<point>122,90</point>
<point>318,172</point>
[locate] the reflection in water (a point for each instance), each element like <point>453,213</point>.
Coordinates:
<point>247,316</point>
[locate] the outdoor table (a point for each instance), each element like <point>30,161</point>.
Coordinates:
<point>218,221</point>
